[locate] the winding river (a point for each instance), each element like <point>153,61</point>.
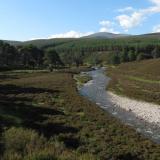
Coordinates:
<point>95,90</point>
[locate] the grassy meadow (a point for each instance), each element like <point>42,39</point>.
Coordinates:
<point>138,80</point>
<point>42,117</point>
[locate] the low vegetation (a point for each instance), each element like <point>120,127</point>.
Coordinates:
<point>82,78</point>
<point>42,117</point>
<point>139,80</point>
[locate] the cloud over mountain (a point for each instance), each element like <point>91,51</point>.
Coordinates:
<point>70,34</point>
<point>131,20</point>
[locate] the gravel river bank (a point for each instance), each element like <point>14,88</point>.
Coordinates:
<point>144,117</point>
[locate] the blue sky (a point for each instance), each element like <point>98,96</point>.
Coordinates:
<point>32,19</point>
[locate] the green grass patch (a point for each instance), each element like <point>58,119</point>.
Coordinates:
<point>137,80</point>
<point>143,80</point>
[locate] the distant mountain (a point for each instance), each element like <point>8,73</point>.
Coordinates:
<point>150,35</point>
<point>99,35</point>
<point>48,42</point>
<point>106,35</point>
<point>41,42</point>
<point>14,43</point>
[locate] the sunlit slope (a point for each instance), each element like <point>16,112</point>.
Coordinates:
<point>139,80</point>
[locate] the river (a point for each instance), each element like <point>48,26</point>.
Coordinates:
<point>95,90</point>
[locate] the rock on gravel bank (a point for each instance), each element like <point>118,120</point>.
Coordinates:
<point>147,111</point>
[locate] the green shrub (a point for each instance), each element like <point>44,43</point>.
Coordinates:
<point>22,140</point>
<point>24,143</point>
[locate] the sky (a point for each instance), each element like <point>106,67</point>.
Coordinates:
<point>34,19</point>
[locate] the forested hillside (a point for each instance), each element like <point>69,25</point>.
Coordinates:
<point>83,51</point>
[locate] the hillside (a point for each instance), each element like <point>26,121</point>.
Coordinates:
<point>41,42</point>
<point>105,35</point>
<point>151,35</point>
<point>14,43</point>
<point>93,44</point>
<point>100,38</point>
<point>49,42</point>
<point>138,80</point>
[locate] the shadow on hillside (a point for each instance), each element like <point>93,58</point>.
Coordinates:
<point>19,111</point>
<point>127,156</point>
<point>4,77</point>
<point>13,89</point>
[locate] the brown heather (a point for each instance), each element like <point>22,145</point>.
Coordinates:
<point>42,117</point>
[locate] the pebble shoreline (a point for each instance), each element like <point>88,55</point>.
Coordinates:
<point>148,112</point>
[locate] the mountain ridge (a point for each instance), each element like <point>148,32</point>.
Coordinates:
<point>98,35</point>
<point>106,35</point>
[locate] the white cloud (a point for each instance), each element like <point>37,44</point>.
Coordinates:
<point>111,30</point>
<point>106,23</point>
<point>70,34</point>
<point>126,9</point>
<point>156,28</point>
<point>128,21</point>
<point>103,29</point>
<point>157,2</point>
<point>107,26</point>
<point>31,39</point>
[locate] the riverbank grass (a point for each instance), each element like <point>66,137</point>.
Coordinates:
<point>143,80</point>
<point>82,78</point>
<point>137,80</point>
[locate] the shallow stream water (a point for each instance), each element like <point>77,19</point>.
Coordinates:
<point>95,90</point>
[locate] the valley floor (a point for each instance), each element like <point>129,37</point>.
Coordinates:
<point>42,116</point>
